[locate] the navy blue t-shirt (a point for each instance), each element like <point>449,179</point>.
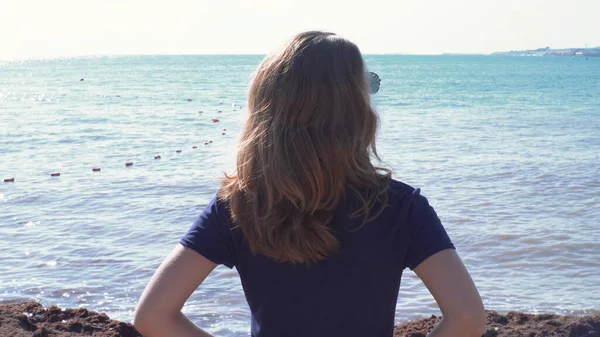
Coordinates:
<point>352,293</point>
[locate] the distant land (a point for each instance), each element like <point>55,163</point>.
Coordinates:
<point>581,52</point>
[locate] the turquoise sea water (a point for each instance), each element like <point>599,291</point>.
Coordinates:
<point>506,149</point>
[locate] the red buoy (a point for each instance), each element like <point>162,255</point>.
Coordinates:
<point>215,120</point>
<point>96,169</point>
<point>156,157</point>
<point>178,151</point>
<point>55,174</point>
<point>9,180</point>
<point>129,163</point>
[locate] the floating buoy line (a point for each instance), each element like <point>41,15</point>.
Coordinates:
<point>130,163</point>
<point>127,164</point>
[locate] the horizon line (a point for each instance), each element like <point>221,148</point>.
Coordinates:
<point>17,58</point>
<point>50,57</point>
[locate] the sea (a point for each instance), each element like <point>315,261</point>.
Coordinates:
<point>506,149</point>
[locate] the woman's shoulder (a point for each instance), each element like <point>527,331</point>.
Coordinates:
<point>401,190</point>
<point>404,196</point>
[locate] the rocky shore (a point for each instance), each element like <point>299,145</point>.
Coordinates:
<point>32,319</point>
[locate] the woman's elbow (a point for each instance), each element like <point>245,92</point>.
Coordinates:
<point>143,321</point>
<point>473,323</point>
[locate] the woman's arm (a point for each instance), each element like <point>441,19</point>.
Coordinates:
<point>449,282</point>
<point>159,313</point>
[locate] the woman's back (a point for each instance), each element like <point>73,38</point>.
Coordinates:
<point>351,293</point>
<point>320,236</point>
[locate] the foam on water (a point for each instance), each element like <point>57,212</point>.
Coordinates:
<point>506,149</point>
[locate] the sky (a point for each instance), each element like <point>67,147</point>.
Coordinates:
<point>50,28</point>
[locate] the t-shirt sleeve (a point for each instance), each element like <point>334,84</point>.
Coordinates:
<point>426,232</point>
<point>210,235</point>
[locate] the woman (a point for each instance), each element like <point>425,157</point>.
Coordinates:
<point>319,236</point>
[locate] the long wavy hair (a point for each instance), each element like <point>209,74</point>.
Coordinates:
<point>308,142</point>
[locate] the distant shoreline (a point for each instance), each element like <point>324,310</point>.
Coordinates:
<point>578,52</point>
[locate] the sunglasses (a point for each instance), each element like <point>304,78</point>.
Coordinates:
<point>375,82</point>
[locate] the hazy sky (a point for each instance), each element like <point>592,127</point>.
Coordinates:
<point>41,28</point>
